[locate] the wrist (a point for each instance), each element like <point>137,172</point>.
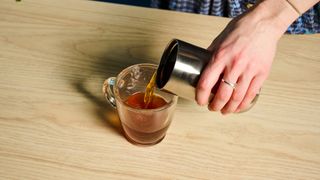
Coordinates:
<point>278,14</point>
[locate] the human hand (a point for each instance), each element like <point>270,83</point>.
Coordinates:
<point>243,53</point>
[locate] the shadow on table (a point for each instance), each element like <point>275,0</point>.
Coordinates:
<point>105,112</point>
<point>93,69</point>
<point>104,52</point>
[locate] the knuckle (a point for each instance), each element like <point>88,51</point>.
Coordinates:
<point>220,54</point>
<point>251,67</point>
<point>237,63</point>
<point>251,95</point>
<point>237,96</point>
<point>264,72</point>
<point>203,85</point>
<point>235,48</point>
<point>223,96</point>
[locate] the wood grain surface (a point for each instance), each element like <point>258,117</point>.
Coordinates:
<point>56,124</point>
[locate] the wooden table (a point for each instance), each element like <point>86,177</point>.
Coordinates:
<point>56,124</point>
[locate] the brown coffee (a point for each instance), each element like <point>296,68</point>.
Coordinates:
<point>147,127</point>
<point>137,101</point>
<point>148,95</point>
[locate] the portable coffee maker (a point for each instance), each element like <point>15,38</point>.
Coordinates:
<point>180,69</point>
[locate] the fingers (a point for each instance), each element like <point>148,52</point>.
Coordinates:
<point>225,90</point>
<point>227,99</point>
<point>251,93</point>
<point>238,94</point>
<point>232,61</point>
<point>209,78</point>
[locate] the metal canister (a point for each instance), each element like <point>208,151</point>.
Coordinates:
<point>180,68</point>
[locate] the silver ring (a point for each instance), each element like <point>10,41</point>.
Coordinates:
<point>233,85</point>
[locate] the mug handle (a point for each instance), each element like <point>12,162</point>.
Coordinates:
<point>107,90</point>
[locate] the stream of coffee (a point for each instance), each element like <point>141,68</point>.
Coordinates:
<point>149,93</point>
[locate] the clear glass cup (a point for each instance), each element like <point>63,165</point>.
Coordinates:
<point>141,126</point>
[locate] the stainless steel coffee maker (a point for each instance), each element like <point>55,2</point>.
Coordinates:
<point>180,69</point>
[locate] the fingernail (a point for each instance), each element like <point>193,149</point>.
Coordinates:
<point>200,104</point>
<point>224,113</point>
<point>215,109</point>
<point>201,97</point>
<point>217,106</point>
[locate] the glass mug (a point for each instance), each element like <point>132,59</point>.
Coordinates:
<point>141,126</point>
